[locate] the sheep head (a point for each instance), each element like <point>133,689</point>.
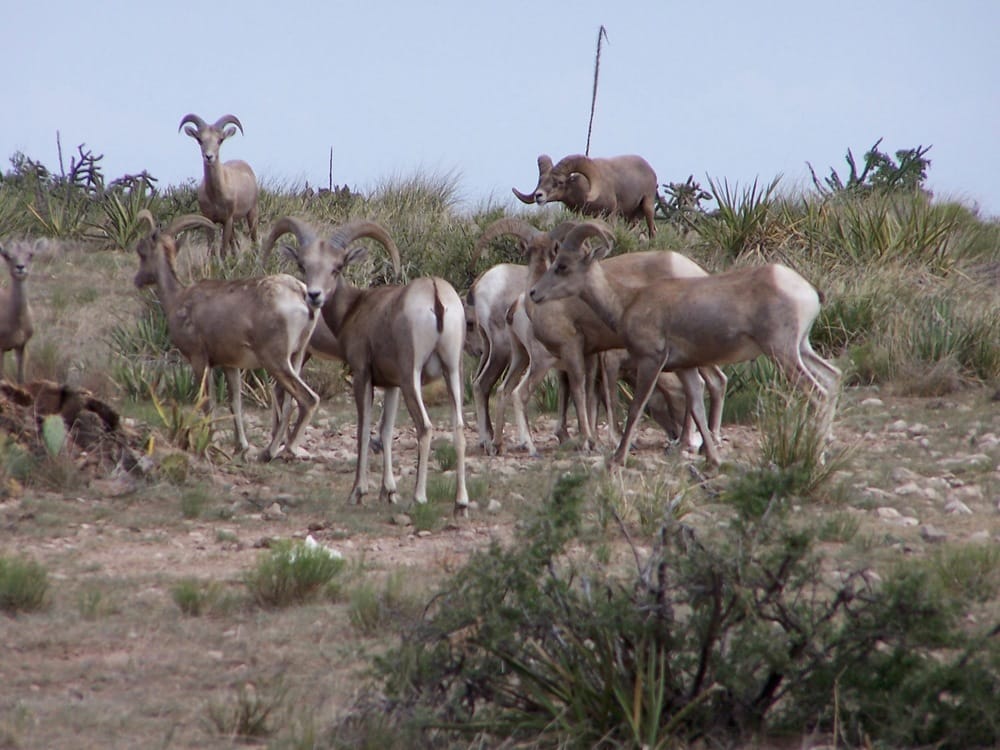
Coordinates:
<point>573,181</point>
<point>323,260</point>
<point>18,256</point>
<point>162,243</point>
<point>210,137</point>
<point>566,274</point>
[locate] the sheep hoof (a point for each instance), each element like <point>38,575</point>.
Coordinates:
<point>356,497</point>
<point>489,448</point>
<point>461,511</point>
<point>389,496</point>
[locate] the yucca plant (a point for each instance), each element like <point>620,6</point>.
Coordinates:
<point>742,223</point>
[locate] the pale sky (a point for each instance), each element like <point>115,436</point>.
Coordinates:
<point>728,90</point>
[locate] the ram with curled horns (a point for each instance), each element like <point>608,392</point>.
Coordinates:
<point>617,186</point>
<point>392,337</point>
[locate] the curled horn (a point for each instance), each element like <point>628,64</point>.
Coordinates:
<point>585,166</point>
<point>188,221</point>
<point>355,230</point>
<point>302,231</point>
<point>147,216</point>
<point>584,231</point>
<point>228,120</point>
<point>517,227</point>
<point>194,120</point>
<point>544,167</point>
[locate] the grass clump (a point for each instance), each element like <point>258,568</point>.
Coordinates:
<point>23,585</point>
<point>292,573</point>
<point>372,609</point>
<point>250,714</point>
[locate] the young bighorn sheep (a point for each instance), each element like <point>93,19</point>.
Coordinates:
<point>572,331</point>
<point>393,337</point>
<point>247,323</point>
<point>15,314</point>
<point>503,351</point>
<point>228,190</point>
<point>682,324</point>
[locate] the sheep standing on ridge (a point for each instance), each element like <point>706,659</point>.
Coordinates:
<point>15,314</point>
<point>228,190</point>
<point>240,324</point>
<point>393,337</point>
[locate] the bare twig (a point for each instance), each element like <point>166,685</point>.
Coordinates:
<point>601,34</point>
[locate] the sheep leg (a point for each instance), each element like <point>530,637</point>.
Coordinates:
<point>227,237</point>
<point>481,389</point>
<point>577,374</point>
<point>609,381</point>
<point>363,400</point>
<point>562,429</point>
<point>234,382</point>
<point>517,370</point>
<point>538,368</point>
<point>689,434</point>
<point>694,392</point>
<point>647,371</point>
<point>422,423</point>
<point>390,406</point>
<point>715,381</point>
<point>19,359</point>
<point>307,401</point>
<point>453,381</point>
<point>252,218</point>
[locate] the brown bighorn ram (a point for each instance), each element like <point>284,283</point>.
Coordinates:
<point>247,323</point>
<point>571,331</point>
<point>617,186</point>
<point>392,337</point>
<point>15,314</point>
<point>682,324</point>
<point>228,190</point>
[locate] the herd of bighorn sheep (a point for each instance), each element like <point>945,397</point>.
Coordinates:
<point>655,318</point>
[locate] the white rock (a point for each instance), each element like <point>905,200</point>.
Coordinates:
<point>932,534</point>
<point>957,507</point>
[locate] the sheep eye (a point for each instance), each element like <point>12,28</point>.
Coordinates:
<point>561,269</point>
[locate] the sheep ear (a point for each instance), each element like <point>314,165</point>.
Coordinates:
<point>191,131</point>
<point>355,254</point>
<point>229,132</point>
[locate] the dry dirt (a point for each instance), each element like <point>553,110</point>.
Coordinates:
<point>112,662</point>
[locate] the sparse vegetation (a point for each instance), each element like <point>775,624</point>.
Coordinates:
<point>649,607</point>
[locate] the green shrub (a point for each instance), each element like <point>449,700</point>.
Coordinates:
<point>23,585</point>
<point>292,573</point>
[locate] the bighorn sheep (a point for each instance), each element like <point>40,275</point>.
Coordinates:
<point>229,190</point>
<point>15,314</point>
<point>248,323</point>
<point>393,337</point>
<point>617,186</point>
<point>681,324</point>
<point>572,331</point>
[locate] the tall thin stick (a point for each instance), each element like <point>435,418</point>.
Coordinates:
<point>602,34</point>
<point>330,178</point>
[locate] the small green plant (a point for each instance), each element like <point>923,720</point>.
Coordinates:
<point>193,502</point>
<point>53,434</point>
<point>372,609</point>
<point>445,455</point>
<point>795,442</point>
<point>23,585</point>
<point>192,596</point>
<point>292,573</point>
<point>93,604</point>
<point>250,714</point>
